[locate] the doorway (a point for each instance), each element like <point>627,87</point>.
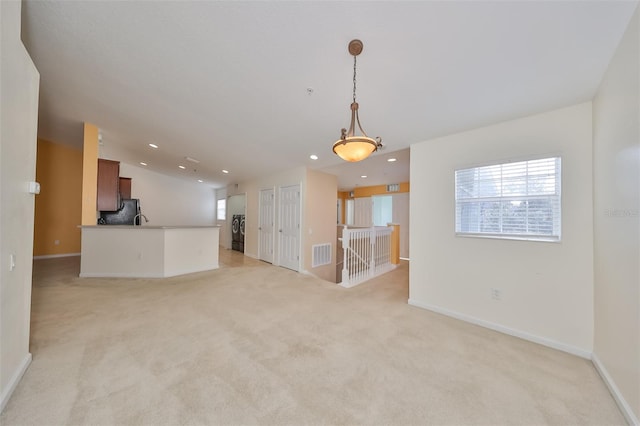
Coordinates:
<point>236,207</point>
<point>289,242</point>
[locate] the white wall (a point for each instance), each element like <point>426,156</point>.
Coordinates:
<point>616,164</point>
<point>19,86</point>
<point>221,194</point>
<point>547,288</point>
<point>166,200</point>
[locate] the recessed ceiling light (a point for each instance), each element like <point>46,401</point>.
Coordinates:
<point>363,176</point>
<point>313,157</point>
<point>193,160</point>
<point>391,160</point>
<point>142,163</point>
<point>182,167</point>
<point>153,145</point>
<point>200,180</point>
<point>225,171</point>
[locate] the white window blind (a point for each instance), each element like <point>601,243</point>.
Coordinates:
<point>510,200</point>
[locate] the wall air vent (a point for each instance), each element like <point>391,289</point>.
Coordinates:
<point>394,187</point>
<point>321,255</point>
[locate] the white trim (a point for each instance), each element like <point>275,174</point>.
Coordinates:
<point>11,386</point>
<point>252,256</point>
<point>506,330</point>
<point>119,275</point>
<point>615,392</point>
<point>174,273</point>
<point>52,256</point>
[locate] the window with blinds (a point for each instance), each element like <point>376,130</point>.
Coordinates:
<point>518,200</point>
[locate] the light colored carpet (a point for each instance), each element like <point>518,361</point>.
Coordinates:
<point>251,343</point>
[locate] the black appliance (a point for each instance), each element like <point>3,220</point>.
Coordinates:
<point>237,232</point>
<point>128,212</point>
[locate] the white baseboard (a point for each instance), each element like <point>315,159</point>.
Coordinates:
<point>349,285</point>
<point>11,386</point>
<point>52,256</point>
<point>615,392</point>
<point>506,330</point>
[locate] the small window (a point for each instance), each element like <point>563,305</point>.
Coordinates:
<point>518,200</point>
<point>222,209</point>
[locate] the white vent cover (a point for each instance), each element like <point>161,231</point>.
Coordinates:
<point>321,255</point>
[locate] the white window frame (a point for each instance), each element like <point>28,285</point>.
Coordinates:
<point>499,175</point>
<point>222,216</point>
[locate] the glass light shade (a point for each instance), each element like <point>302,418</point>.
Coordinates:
<point>354,148</point>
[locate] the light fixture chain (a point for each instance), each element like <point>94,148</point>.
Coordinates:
<point>354,78</point>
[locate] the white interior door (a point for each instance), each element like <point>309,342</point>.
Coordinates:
<point>289,228</point>
<point>267,225</point>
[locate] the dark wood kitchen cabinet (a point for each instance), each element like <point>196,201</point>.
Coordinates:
<point>108,196</point>
<point>125,188</point>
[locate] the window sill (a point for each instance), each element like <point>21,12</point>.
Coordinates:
<point>511,237</point>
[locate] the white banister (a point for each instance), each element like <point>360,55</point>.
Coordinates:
<point>367,254</point>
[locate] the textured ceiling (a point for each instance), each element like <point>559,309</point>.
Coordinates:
<point>226,82</point>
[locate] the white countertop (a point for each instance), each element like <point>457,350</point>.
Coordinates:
<point>146,226</point>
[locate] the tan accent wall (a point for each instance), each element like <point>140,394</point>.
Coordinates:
<point>89,174</point>
<point>368,191</point>
<point>320,220</point>
<point>58,206</point>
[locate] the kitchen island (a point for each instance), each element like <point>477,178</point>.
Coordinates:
<point>148,251</point>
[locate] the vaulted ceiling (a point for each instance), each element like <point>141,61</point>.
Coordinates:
<point>256,87</point>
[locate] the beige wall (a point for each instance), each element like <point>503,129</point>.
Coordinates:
<point>616,174</point>
<point>312,195</point>
<point>19,88</point>
<point>320,219</point>
<point>59,204</point>
<point>547,288</point>
<point>252,189</point>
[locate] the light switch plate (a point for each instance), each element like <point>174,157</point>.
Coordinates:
<point>34,188</point>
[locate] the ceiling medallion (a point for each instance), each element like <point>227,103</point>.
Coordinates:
<point>351,147</point>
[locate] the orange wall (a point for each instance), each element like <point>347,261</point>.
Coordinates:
<point>89,174</point>
<point>368,191</point>
<point>57,209</point>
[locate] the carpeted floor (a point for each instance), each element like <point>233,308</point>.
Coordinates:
<point>251,343</point>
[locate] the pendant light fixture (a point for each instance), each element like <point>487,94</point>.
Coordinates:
<point>351,147</point>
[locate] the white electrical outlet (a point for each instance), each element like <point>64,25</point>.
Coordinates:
<point>496,294</point>
<point>12,262</point>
